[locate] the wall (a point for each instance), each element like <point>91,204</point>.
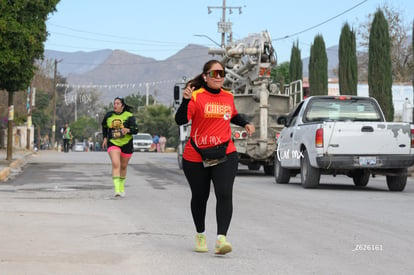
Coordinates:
<point>19,139</point>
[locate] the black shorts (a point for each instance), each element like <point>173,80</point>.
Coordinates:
<point>127,149</point>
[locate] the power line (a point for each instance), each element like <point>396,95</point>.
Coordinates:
<point>146,43</point>
<point>108,35</point>
<point>324,22</point>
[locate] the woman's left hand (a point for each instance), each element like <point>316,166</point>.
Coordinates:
<point>250,129</point>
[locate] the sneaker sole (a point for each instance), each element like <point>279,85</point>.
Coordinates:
<point>201,250</point>
<point>224,250</point>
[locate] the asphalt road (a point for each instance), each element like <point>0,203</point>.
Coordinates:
<point>59,217</point>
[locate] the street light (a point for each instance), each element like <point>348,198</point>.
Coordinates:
<point>202,35</point>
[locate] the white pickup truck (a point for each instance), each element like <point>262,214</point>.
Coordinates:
<point>343,135</point>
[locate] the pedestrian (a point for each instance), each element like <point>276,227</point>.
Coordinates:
<point>210,154</point>
<point>118,126</point>
<point>162,143</point>
<point>67,137</point>
<point>156,141</point>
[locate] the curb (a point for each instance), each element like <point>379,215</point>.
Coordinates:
<point>16,164</point>
<point>4,174</point>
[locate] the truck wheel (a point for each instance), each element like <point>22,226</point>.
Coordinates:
<point>361,177</point>
<point>397,183</point>
<point>309,175</point>
<point>282,175</point>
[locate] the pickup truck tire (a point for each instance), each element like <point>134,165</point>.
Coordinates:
<point>282,175</point>
<point>309,175</point>
<point>361,177</point>
<point>397,183</point>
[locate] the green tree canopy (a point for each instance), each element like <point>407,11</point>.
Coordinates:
<point>398,33</point>
<point>158,119</point>
<point>22,33</point>
<point>84,128</point>
<point>296,65</point>
<point>318,67</point>
<point>280,74</point>
<point>379,66</point>
<point>348,63</point>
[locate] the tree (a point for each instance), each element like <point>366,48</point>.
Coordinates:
<point>348,63</point>
<point>84,128</point>
<point>379,66</point>
<point>400,53</point>
<point>280,74</point>
<point>296,65</point>
<point>318,67</point>
<point>158,119</point>
<point>41,115</point>
<point>136,101</point>
<point>22,33</point>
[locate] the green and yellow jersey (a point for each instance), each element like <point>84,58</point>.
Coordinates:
<point>113,123</point>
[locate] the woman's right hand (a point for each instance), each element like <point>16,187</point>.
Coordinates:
<point>188,92</point>
<point>104,142</point>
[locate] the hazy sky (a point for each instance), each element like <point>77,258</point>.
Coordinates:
<point>159,29</point>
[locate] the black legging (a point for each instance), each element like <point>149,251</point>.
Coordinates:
<point>222,176</point>
<point>66,145</point>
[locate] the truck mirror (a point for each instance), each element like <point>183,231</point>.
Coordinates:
<point>282,120</point>
<point>176,93</point>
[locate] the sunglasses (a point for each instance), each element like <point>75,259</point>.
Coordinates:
<point>216,73</point>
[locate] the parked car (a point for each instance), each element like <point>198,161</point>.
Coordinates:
<point>142,142</point>
<point>79,147</point>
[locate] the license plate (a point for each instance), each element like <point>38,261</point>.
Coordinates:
<point>367,161</point>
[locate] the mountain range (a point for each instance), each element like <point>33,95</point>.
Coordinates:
<point>120,73</point>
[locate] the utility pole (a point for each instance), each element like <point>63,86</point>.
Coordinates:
<point>54,103</point>
<point>223,26</point>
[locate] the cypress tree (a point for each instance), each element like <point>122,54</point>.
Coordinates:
<point>318,67</point>
<point>296,65</point>
<point>379,65</point>
<point>348,64</point>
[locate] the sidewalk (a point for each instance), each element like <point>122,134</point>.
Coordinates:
<point>8,167</point>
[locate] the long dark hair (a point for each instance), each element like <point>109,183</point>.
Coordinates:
<point>198,81</point>
<point>126,107</point>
